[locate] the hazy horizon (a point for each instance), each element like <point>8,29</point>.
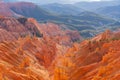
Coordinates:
<point>55,1</point>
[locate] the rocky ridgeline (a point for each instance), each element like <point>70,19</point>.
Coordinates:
<point>17,28</point>
<point>33,51</point>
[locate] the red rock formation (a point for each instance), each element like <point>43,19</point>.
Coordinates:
<point>54,31</point>
<point>110,64</point>
<point>65,37</point>
<point>6,36</point>
<point>20,27</point>
<point>26,59</point>
<point>92,60</point>
<point>52,57</point>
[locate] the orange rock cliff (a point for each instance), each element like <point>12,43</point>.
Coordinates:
<point>33,51</point>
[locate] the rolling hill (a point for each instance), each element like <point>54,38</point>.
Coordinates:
<point>111,11</point>
<point>10,0</point>
<point>5,10</point>
<point>62,9</point>
<point>30,10</point>
<point>93,5</point>
<point>87,23</point>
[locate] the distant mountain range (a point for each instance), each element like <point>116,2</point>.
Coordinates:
<point>67,16</point>
<point>63,9</point>
<point>33,49</point>
<point>111,11</point>
<point>28,9</point>
<point>5,10</point>
<point>91,6</point>
<point>10,0</point>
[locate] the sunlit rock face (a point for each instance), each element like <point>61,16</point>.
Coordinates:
<point>54,32</point>
<point>16,28</point>
<point>26,59</point>
<point>66,37</point>
<point>33,51</point>
<point>91,60</point>
<point>22,27</point>
<point>44,59</point>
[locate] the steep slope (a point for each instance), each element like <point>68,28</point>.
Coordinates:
<point>16,28</point>
<point>53,31</point>
<point>30,58</point>
<point>5,10</point>
<point>110,63</point>
<point>95,59</point>
<point>30,10</point>
<point>44,59</point>
<point>6,36</point>
<point>54,55</point>
<point>24,59</point>
<point>63,36</point>
<point>22,27</point>
<point>86,22</point>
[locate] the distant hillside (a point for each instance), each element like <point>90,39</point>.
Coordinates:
<point>10,0</point>
<point>12,28</point>
<point>111,11</point>
<point>30,10</point>
<point>32,50</point>
<point>63,9</point>
<point>87,23</point>
<point>5,10</point>
<point>91,6</point>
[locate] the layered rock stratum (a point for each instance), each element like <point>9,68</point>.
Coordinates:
<point>33,51</point>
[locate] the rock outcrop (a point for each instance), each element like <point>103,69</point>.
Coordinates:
<point>33,51</point>
<point>16,28</point>
<point>90,60</point>
<point>22,27</point>
<point>26,59</point>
